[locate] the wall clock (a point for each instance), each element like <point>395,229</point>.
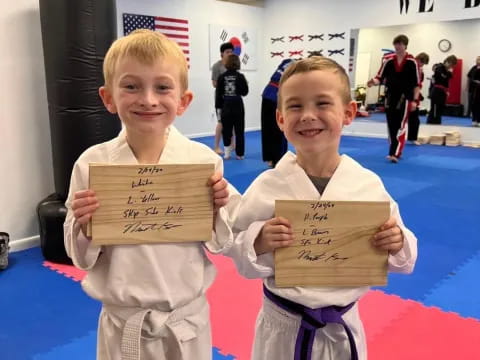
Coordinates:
<point>444,45</point>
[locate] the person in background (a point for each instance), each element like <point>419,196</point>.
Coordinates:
<point>231,86</point>
<point>414,118</point>
<point>442,73</point>
<point>470,86</point>
<point>399,72</point>
<point>226,49</point>
<point>474,93</point>
<point>274,143</point>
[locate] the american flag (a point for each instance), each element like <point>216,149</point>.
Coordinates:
<point>174,29</point>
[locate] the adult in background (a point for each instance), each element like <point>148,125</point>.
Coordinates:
<point>226,49</point>
<point>274,143</point>
<point>473,92</point>
<point>231,86</point>
<point>414,118</point>
<point>442,73</point>
<point>399,71</point>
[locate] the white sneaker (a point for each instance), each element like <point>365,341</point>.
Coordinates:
<point>228,152</point>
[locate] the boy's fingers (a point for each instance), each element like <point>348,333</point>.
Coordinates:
<point>219,185</point>
<point>391,222</point>
<point>279,221</point>
<point>83,194</point>
<point>281,229</point>
<point>280,244</point>
<point>83,220</point>
<point>78,213</point>
<point>283,237</point>
<point>387,233</point>
<point>221,194</point>
<point>387,241</point>
<point>82,202</point>
<point>214,178</point>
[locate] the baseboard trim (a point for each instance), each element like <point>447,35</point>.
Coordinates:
<point>200,135</point>
<point>25,243</point>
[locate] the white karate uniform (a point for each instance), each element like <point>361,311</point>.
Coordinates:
<point>156,289</point>
<point>276,330</point>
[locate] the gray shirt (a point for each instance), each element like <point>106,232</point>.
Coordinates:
<point>218,69</point>
<point>320,183</point>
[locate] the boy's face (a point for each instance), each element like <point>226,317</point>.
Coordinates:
<point>313,112</point>
<point>147,98</point>
<point>400,47</point>
<point>226,54</point>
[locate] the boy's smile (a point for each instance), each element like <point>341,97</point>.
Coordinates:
<point>147,97</point>
<point>313,113</point>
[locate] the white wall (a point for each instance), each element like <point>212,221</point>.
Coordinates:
<point>464,35</point>
<point>26,174</point>
<point>199,118</point>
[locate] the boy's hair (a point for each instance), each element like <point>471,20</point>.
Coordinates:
<point>400,39</point>
<point>233,62</point>
<point>314,63</point>
<point>452,60</point>
<point>145,46</point>
<point>226,46</point>
<point>423,58</point>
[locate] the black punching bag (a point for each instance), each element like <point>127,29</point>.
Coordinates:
<point>75,36</point>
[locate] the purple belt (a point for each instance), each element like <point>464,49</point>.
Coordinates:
<point>313,319</point>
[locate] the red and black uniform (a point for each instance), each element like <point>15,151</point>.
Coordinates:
<point>414,118</point>
<point>438,95</point>
<point>400,80</point>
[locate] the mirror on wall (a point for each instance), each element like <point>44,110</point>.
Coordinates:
<point>438,40</point>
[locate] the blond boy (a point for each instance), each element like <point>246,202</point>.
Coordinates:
<point>153,296</point>
<point>314,105</point>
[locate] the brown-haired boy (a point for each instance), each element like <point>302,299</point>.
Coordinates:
<point>314,105</point>
<point>442,73</point>
<point>400,73</point>
<point>153,295</point>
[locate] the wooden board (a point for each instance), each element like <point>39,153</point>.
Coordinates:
<point>151,203</point>
<point>332,244</point>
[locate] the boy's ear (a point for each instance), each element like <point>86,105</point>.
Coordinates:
<point>350,112</point>
<point>185,101</point>
<point>280,119</point>
<point>107,99</point>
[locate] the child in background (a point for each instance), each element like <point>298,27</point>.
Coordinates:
<point>414,116</point>
<point>442,73</point>
<point>314,104</point>
<point>231,86</point>
<point>153,295</point>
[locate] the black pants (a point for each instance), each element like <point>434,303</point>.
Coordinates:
<point>413,125</point>
<point>233,117</point>
<point>437,106</point>
<point>274,143</point>
<point>476,108</point>
<point>470,104</point>
<point>397,111</point>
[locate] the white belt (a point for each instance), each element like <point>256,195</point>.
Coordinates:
<point>159,324</point>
